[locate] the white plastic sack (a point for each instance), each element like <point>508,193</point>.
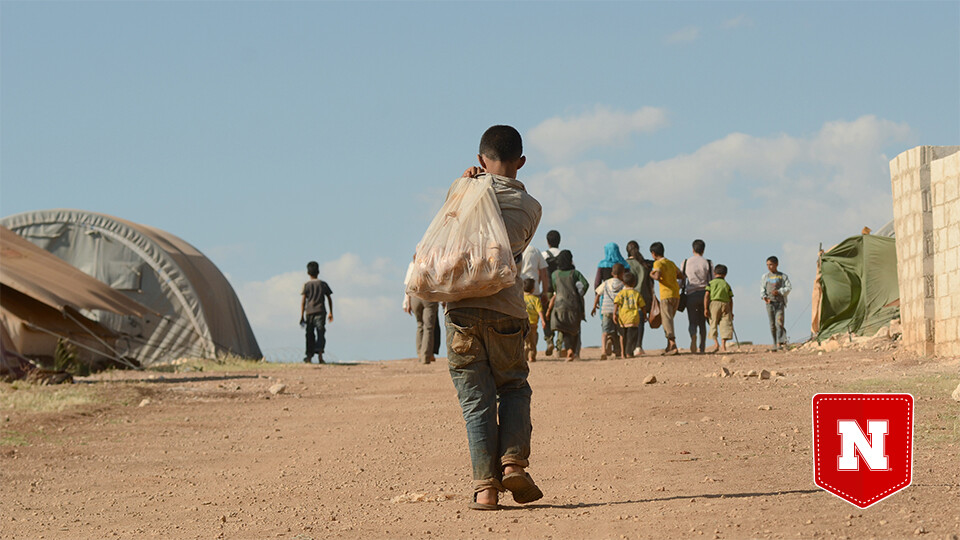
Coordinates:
<point>465,252</point>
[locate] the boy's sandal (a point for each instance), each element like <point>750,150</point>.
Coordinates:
<point>481,506</point>
<point>522,487</point>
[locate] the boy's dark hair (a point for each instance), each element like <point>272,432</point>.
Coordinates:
<point>774,260</point>
<point>630,279</point>
<point>553,239</point>
<point>657,249</point>
<point>501,143</point>
<point>616,269</point>
<point>699,246</point>
<point>528,285</point>
<point>313,269</point>
<point>720,269</point>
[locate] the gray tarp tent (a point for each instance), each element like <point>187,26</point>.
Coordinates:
<point>200,314</point>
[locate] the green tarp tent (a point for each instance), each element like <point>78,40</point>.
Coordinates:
<point>856,289</point>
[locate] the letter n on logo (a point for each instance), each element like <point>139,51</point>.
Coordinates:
<point>863,445</point>
<point>853,442</point>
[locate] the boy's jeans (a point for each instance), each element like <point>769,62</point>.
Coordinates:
<point>316,333</point>
<point>485,353</point>
<point>777,331</point>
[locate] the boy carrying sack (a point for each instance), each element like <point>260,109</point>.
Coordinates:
<point>486,329</point>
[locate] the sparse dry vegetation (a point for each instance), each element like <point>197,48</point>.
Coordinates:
<point>26,397</point>
<point>224,363</point>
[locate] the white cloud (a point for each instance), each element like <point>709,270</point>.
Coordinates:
<point>739,21</point>
<point>562,139</point>
<point>687,34</point>
<point>740,180</point>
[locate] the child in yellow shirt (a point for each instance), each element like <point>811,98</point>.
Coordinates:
<point>629,314</point>
<point>535,314</point>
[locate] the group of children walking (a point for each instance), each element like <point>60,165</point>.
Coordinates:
<point>625,299</point>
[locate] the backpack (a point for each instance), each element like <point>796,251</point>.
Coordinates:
<point>552,266</point>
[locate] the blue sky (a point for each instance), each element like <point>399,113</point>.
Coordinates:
<point>268,134</point>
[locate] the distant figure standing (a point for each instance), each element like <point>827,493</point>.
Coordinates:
<point>667,273</point>
<point>775,288</point>
<point>428,326</point>
<point>550,257</point>
<point>697,273</point>
<point>313,314</point>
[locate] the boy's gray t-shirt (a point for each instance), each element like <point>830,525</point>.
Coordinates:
<point>698,271</point>
<point>314,291</point>
<point>521,216</point>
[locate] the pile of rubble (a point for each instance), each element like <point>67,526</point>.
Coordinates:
<point>729,371</point>
<point>884,340</point>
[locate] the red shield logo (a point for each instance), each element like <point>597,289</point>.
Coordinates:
<point>863,445</point>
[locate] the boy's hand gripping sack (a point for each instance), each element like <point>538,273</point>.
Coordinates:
<point>465,252</point>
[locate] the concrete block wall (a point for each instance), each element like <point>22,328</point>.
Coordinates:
<point>921,234</point>
<point>945,187</point>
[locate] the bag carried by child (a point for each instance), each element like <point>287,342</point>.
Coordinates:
<point>465,252</point>
<point>683,291</point>
<point>655,318</point>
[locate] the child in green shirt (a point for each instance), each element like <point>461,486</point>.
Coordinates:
<point>718,307</point>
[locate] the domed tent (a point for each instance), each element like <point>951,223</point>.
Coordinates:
<point>200,314</point>
<point>856,288</point>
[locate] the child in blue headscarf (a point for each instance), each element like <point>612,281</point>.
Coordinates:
<point>604,268</point>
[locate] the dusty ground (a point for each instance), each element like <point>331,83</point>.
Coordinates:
<point>378,450</point>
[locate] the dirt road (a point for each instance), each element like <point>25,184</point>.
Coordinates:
<point>378,450</point>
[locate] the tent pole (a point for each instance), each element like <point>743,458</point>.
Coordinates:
<point>65,338</point>
<point>116,355</point>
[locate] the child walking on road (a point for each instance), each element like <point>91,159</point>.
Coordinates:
<point>485,343</point>
<point>313,315</point>
<point>775,288</point>
<point>629,315</point>
<point>605,294</point>
<point>667,273</point>
<point>535,313</point>
<point>718,306</point>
